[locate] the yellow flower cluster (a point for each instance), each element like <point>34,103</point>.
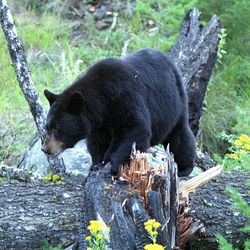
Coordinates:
<point>151,227</point>
<point>242,145</point>
<point>154,247</point>
<point>243,141</point>
<point>98,239</point>
<point>96,227</point>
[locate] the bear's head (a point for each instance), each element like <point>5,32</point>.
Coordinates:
<point>66,121</point>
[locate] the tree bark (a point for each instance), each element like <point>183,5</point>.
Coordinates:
<point>22,71</point>
<point>212,205</point>
<point>195,53</point>
<point>31,213</point>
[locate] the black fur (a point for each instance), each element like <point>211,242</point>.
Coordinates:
<point>139,99</point>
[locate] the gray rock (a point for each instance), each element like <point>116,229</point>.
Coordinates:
<point>77,160</point>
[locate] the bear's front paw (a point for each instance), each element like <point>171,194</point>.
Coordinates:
<point>96,167</point>
<point>115,171</point>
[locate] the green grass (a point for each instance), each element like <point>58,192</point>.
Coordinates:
<point>55,59</point>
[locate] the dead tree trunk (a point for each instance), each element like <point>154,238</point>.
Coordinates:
<point>24,78</point>
<point>195,53</point>
<point>125,207</point>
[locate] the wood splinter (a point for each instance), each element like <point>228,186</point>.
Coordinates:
<point>143,178</point>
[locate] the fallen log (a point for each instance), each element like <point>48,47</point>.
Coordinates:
<point>31,213</point>
<point>212,205</point>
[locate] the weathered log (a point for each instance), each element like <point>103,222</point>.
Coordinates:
<point>212,205</point>
<point>195,53</point>
<point>22,175</point>
<point>31,213</point>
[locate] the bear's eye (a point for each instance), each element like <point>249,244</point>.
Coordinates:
<point>56,129</point>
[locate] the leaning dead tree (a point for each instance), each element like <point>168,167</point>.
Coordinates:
<point>22,71</point>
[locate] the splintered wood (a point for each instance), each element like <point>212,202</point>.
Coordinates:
<point>189,186</point>
<point>175,202</point>
<point>139,175</point>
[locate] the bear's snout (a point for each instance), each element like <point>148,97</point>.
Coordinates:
<point>51,146</point>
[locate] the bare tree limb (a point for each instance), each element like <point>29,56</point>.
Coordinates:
<point>20,65</point>
<point>22,71</point>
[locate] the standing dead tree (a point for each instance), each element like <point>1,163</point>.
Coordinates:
<point>195,53</point>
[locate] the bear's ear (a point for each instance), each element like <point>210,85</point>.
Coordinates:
<point>50,96</point>
<point>76,102</point>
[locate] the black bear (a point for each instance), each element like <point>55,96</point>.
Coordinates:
<point>117,102</point>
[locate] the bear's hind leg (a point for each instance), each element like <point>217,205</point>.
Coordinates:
<point>182,145</point>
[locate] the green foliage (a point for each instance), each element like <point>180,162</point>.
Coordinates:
<point>47,246</point>
<point>241,205</point>
<point>224,245</point>
<point>239,157</point>
<point>221,45</point>
<point>227,99</point>
<point>160,19</point>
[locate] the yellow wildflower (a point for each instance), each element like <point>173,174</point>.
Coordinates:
<point>99,236</point>
<point>238,143</point>
<point>149,222</point>
<point>95,226</point>
<point>88,238</point>
<point>153,247</point>
<point>235,156</point>
<point>98,239</point>
<point>156,225</point>
<point>244,138</point>
<point>246,147</point>
<point>149,228</point>
<point>154,233</point>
